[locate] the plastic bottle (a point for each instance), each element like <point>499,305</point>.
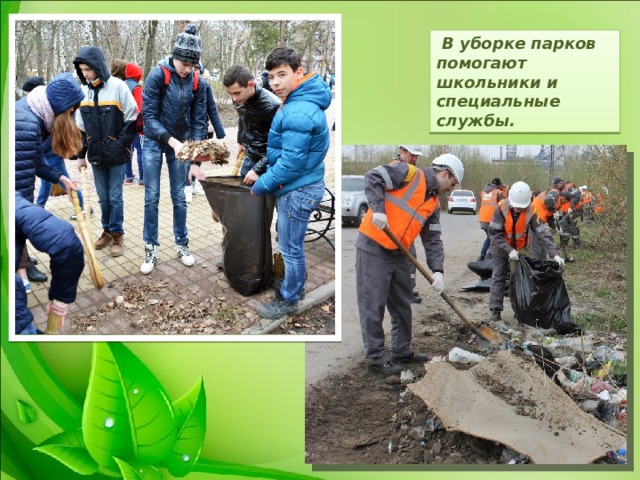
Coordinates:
<point>604,353</point>
<point>463,356</point>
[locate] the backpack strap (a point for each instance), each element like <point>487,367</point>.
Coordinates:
<point>167,78</point>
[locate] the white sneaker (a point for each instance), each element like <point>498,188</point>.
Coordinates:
<point>197,189</point>
<point>185,255</point>
<point>150,258</point>
<point>188,193</point>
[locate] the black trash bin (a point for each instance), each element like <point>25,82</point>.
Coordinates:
<point>246,221</point>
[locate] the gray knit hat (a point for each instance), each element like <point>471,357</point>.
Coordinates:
<point>188,45</point>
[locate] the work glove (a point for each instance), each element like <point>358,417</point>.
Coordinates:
<point>513,255</point>
<point>559,260</point>
<point>379,220</point>
<point>438,282</point>
<point>570,211</point>
<point>556,215</point>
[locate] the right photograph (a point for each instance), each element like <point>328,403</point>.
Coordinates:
<point>483,306</point>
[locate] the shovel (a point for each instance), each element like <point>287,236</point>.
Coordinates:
<point>485,332</point>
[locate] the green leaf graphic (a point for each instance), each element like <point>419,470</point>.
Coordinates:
<point>127,413</point>
<point>26,413</point>
<point>138,472</point>
<point>69,449</point>
<point>191,418</point>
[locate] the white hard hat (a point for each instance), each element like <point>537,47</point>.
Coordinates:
<point>451,163</point>
<point>520,195</point>
<point>584,187</point>
<point>412,149</point>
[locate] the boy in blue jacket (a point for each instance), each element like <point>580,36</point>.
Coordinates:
<point>297,144</point>
<point>173,113</point>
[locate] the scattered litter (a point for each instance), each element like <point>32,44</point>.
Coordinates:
<point>406,376</point>
<point>458,355</point>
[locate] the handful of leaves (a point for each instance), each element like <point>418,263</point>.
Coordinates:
<point>204,151</point>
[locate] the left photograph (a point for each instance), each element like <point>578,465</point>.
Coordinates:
<point>174,177</point>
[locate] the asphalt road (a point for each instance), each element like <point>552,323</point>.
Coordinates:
<point>462,239</point>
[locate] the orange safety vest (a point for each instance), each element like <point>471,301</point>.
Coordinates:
<point>407,211</point>
<point>489,201</point>
<point>541,208</point>
<point>516,234</point>
<point>564,203</point>
<point>599,203</point>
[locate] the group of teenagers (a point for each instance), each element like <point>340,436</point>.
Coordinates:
<point>283,134</point>
<point>404,200</point>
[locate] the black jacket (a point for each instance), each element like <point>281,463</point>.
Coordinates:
<point>254,122</point>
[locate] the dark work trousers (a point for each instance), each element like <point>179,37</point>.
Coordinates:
<point>412,267</point>
<point>384,281</point>
<point>498,277</point>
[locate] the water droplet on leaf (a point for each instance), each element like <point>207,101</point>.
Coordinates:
<point>109,422</point>
<point>26,413</point>
<point>185,457</point>
<point>135,391</point>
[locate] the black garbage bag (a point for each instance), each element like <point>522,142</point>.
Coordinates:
<point>246,221</point>
<point>479,285</point>
<point>538,295</point>
<point>483,268</point>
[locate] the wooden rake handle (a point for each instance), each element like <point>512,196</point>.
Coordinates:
<point>239,159</point>
<point>87,244</point>
<point>430,279</point>
<point>53,322</point>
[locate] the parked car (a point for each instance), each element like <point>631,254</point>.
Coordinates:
<point>354,201</point>
<point>462,200</point>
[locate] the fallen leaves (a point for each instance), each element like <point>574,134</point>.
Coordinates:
<point>204,150</point>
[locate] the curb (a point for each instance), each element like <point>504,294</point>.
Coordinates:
<point>313,298</point>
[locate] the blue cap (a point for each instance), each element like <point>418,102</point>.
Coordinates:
<point>63,92</point>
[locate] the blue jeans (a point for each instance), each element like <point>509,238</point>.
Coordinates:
<point>128,170</point>
<point>55,161</point>
<point>152,160</point>
<point>294,210</point>
<point>108,182</point>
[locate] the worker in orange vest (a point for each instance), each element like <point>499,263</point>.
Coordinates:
<point>586,203</point>
<point>570,199</point>
<point>489,198</point>
<point>403,198</point>
<point>546,205</point>
<point>514,221</point>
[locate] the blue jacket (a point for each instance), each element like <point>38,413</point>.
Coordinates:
<point>298,139</point>
<point>212,113</point>
<point>50,234</point>
<point>173,111</point>
<point>32,140</point>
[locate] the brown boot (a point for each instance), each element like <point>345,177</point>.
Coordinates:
<point>117,248</point>
<point>104,240</point>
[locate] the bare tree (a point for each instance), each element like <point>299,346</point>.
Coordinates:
<point>152,27</point>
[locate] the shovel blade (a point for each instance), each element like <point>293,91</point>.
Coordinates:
<point>490,335</point>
